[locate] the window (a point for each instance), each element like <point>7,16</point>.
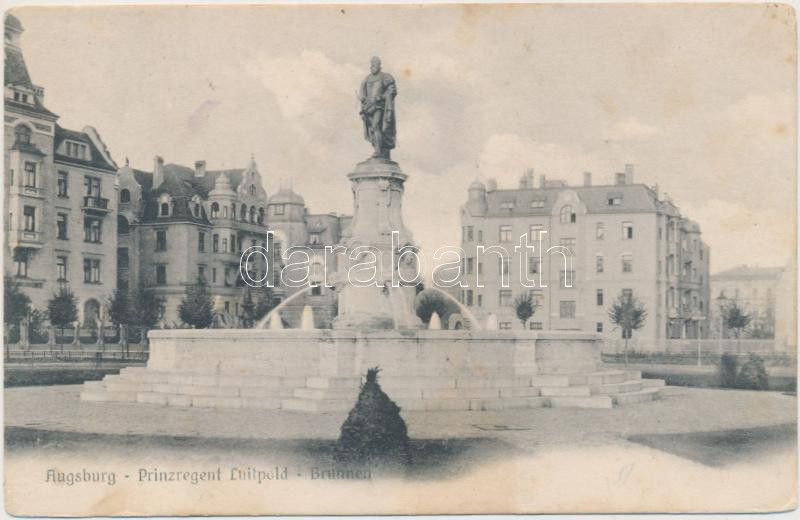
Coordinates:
<point>77,150</point>
<point>161,240</point>
<point>201,242</point>
<point>233,243</point>
<point>533,265</point>
<point>164,211</point>
<point>480,235</point>
<point>627,294</point>
<point>214,210</point>
<point>599,326</point>
<point>627,263</point>
<point>505,233</point>
<point>466,233</point>
<point>537,296</point>
<point>22,134</point>
<point>279,209</point>
<point>161,274</point>
<point>61,226</point>
<point>123,258</point>
<point>504,265</point>
<point>30,174</point>
<point>600,231</point>
<point>252,215</point>
<point>468,299</point>
<point>215,243</point>
<point>29,212</point>
<point>599,297</point>
<point>278,251</point>
<point>260,215</point>
<point>614,200</point>
<point>507,206</point>
<point>21,262</point>
<point>566,309</point>
<point>536,325</point>
<point>91,270</point>
<point>536,204</point>
<point>598,263</point>
<point>314,239</point>
<point>252,189</point>
<point>124,196</point>
<point>224,245</point>
<point>480,300</point>
<point>469,265</point>
<point>62,184</point>
<point>213,275</point>
<point>505,298</point>
<point>534,231</point>
<point>123,228</point>
<point>201,272</point>
<point>567,279</point>
<point>92,186</point>
<point>569,243</point>
<point>567,215</point>
<point>61,268</point>
<point>627,230</point>
<point>92,230</point>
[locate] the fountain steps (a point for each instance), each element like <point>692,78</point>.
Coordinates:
<point>602,389</point>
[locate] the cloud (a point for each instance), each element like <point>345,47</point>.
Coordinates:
<point>632,128</point>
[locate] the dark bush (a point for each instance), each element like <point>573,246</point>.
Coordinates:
<point>753,375</point>
<point>727,371</point>
<point>374,433</point>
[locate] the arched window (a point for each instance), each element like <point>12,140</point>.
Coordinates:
<point>260,215</point>
<point>123,228</point>
<point>252,189</point>
<point>233,211</point>
<point>253,214</point>
<point>22,134</point>
<point>124,196</point>
<point>225,212</point>
<point>165,209</point>
<point>243,213</point>
<point>567,215</point>
<point>197,210</point>
<point>214,210</point>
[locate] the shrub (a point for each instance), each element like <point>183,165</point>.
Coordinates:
<point>374,432</point>
<point>753,375</point>
<point>727,371</point>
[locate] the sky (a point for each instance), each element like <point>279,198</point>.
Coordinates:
<point>700,98</point>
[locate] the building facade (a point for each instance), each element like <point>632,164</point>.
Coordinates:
<point>176,224</point>
<point>754,289</point>
<point>60,196</point>
<point>617,239</point>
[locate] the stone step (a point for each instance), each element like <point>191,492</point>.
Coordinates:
<point>263,403</point>
<point>213,391</point>
<point>530,391</point>
<point>633,374</point>
<point>653,383</point>
<point>94,386</point>
<point>565,391</point>
<point>108,396</point>
<point>594,401</point>
<point>498,382</point>
<point>460,393</point>
<point>598,378</point>
<point>127,386</point>
<point>507,403</point>
<point>316,405</point>
<point>142,375</point>
<point>617,388</point>
<point>549,380</point>
<point>646,394</point>
<point>151,398</point>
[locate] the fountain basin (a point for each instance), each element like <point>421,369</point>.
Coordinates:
<point>321,370</point>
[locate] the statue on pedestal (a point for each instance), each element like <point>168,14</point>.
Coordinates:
<point>377,94</point>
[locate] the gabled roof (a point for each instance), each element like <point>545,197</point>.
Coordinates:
<point>96,159</point>
<point>16,72</point>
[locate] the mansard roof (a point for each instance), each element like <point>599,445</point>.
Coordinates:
<point>96,157</point>
<point>749,272</point>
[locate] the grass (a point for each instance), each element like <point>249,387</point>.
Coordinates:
<point>44,376</point>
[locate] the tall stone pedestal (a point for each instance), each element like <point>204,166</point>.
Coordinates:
<point>375,242</point>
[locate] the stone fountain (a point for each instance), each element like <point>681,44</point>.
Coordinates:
<point>423,369</point>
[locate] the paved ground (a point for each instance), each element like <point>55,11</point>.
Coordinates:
<point>693,450</point>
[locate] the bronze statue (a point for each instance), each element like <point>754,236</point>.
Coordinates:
<point>377,109</point>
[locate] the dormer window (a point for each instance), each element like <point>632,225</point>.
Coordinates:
<point>22,134</point>
<point>214,210</point>
<point>567,215</point>
<point>507,206</point>
<point>536,204</point>
<point>279,209</point>
<point>163,206</point>
<point>165,209</point>
<point>76,150</point>
<point>614,199</point>
<point>21,97</point>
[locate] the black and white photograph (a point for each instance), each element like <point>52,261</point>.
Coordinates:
<point>406,259</point>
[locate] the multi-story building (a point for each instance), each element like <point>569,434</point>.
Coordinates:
<point>622,239</point>
<point>752,288</point>
<point>60,196</point>
<point>177,223</point>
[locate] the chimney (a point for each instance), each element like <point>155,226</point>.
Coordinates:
<point>628,174</point>
<point>491,185</point>
<point>158,171</point>
<point>529,178</point>
<point>199,168</point>
<point>587,178</point>
<point>542,181</point>
<point>620,178</point>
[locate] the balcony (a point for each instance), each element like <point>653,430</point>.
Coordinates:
<point>27,191</point>
<point>25,239</point>
<point>95,205</point>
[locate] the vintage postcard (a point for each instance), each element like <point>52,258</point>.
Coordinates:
<point>400,259</point>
